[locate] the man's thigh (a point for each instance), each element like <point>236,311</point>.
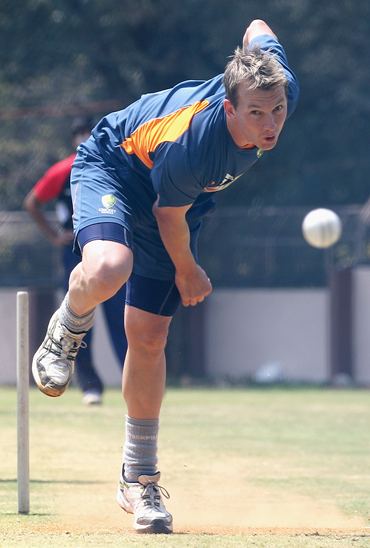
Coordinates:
<point>97,194</point>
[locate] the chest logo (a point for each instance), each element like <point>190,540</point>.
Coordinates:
<point>214,186</point>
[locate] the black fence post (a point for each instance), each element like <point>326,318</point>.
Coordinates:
<point>341,358</point>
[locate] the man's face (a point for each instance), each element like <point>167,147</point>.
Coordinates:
<point>258,118</point>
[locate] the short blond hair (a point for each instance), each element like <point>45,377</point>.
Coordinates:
<point>259,68</point>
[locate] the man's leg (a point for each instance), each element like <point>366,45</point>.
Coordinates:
<point>150,305</point>
<point>144,375</point>
<point>87,377</point>
<point>143,385</point>
<point>105,267</point>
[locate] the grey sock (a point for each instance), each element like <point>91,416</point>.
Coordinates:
<point>73,322</point>
<point>140,449</point>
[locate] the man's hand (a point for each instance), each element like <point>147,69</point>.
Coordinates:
<point>256,28</point>
<point>64,237</point>
<point>34,208</point>
<point>193,286</point>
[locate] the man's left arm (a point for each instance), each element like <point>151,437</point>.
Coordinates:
<point>256,28</point>
<point>259,33</point>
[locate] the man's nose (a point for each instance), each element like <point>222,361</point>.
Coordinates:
<point>269,122</point>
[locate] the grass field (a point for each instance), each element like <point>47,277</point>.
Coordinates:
<point>272,467</point>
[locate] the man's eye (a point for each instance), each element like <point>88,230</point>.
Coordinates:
<point>256,112</point>
<point>279,108</point>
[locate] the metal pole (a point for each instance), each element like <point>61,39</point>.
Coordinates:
<point>22,402</point>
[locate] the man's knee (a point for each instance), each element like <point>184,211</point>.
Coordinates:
<point>106,266</point>
<point>145,331</point>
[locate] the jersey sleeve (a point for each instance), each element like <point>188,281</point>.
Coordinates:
<point>172,177</point>
<point>270,44</point>
<point>51,183</point>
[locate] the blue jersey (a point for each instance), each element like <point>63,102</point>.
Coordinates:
<point>174,144</point>
<point>176,141</point>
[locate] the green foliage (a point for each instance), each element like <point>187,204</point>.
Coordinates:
<point>58,57</point>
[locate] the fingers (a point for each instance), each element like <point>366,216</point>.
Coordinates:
<point>195,288</point>
<point>193,301</point>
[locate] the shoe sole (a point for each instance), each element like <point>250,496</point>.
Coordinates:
<point>157,527</point>
<point>47,390</point>
<point>51,391</point>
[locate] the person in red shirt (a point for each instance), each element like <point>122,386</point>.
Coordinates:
<point>55,185</point>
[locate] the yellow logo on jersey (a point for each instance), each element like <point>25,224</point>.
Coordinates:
<point>108,201</point>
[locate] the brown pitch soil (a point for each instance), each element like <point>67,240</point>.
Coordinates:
<point>225,510</point>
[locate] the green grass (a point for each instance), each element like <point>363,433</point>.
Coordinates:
<point>272,467</point>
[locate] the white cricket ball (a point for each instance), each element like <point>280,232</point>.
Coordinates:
<point>321,227</point>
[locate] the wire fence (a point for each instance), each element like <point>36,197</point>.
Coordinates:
<point>27,259</point>
<point>244,247</point>
<point>239,247</point>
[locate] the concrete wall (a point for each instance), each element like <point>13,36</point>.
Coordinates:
<point>277,333</point>
<point>281,333</point>
<point>361,324</point>
<point>8,312</point>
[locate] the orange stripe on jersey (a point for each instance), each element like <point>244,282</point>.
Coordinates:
<point>147,137</point>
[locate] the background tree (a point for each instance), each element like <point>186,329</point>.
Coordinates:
<point>57,56</point>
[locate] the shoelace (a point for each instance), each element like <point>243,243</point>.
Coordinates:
<point>151,494</point>
<point>71,346</point>
<point>66,347</point>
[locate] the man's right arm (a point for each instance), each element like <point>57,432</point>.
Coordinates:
<point>177,188</point>
<point>46,189</point>
<point>191,280</point>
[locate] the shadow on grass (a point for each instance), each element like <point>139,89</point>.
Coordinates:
<point>72,482</point>
<point>30,514</point>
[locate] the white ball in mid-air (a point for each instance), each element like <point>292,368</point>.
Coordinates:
<point>321,227</point>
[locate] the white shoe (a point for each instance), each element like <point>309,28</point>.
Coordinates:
<point>143,499</point>
<point>53,363</point>
<point>91,397</point>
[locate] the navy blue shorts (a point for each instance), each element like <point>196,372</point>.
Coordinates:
<point>152,295</point>
<point>103,193</point>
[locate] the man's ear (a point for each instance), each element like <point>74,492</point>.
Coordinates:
<point>229,109</point>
